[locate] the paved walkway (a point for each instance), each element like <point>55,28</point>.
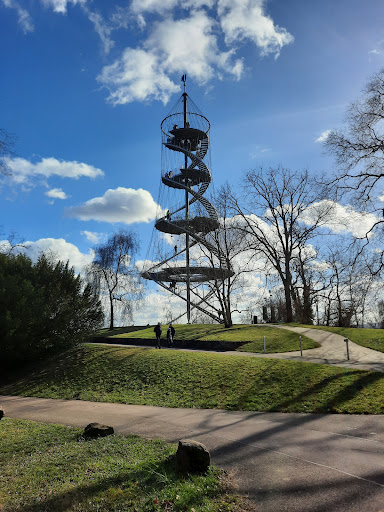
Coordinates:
<point>282,462</point>
<point>332,351</point>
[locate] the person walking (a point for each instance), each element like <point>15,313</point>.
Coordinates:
<point>157,331</point>
<point>170,335</point>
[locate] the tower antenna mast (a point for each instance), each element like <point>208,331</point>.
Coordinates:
<point>187,242</point>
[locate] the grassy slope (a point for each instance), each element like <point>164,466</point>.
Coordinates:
<point>204,380</point>
<point>370,338</point>
<point>277,340</point>
<point>48,467</point>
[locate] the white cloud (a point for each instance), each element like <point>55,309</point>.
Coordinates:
<point>257,151</point>
<point>25,20</point>
<point>379,50</point>
<point>246,19</point>
<point>191,40</point>
<point>144,73</point>
<point>324,136</point>
<point>102,29</point>
<point>118,205</point>
<point>92,236</point>
<point>61,5</point>
<point>343,219</point>
<point>59,249</point>
<point>23,170</point>
<point>56,193</point>
<point>121,17</point>
<point>141,7</point>
<point>153,6</point>
<point>136,76</point>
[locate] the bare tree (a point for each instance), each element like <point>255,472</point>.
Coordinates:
<point>12,242</point>
<point>228,239</point>
<point>114,274</point>
<point>7,143</point>
<point>359,150</point>
<point>359,153</point>
<point>350,288</point>
<point>281,213</point>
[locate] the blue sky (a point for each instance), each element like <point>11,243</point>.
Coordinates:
<point>85,85</point>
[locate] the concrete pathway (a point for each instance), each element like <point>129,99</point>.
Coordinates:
<point>282,462</point>
<point>332,351</point>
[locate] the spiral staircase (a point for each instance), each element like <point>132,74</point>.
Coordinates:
<point>191,141</point>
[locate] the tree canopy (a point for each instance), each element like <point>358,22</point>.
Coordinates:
<point>114,274</point>
<point>44,308</point>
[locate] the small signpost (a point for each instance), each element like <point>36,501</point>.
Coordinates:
<point>301,347</point>
<point>265,346</point>
<point>346,341</point>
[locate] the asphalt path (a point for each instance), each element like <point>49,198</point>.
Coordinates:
<point>332,351</point>
<point>281,462</point>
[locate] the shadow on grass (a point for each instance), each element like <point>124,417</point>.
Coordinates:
<point>105,333</point>
<point>345,394</point>
<point>131,486</point>
<point>66,367</point>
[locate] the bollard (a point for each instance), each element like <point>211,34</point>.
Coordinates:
<point>346,341</point>
<point>265,346</point>
<point>301,347</point>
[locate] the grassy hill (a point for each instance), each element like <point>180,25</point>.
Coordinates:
<point>277,340</point>
<point>203,380</point>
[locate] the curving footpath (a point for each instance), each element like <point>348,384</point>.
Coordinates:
<point>281,462</point>
<point>332,351</point>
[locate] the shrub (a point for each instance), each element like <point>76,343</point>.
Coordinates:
<point>44,308</point>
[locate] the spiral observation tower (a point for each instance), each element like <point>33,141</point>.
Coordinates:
<point>192,263</point>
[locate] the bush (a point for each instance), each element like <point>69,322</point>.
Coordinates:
<point>44,308</point>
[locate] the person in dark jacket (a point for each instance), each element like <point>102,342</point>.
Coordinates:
<point>157,331</point>
<point>170,335</point>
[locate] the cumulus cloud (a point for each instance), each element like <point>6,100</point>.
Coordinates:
<point>92,236</point>
<point>146,72</point>
<point>136,76</point>
<point>246,19</point>
<point>191,40</point>
<point>56,193</point>
<point>61,5</point>
<point>324,136</point>
<point>59,249</point>
<point>342,219</point>
<point>143,73</point>
<point>118,205</point>
<point>22,170</point>
<point>208,34</point>
<point>25,20</point>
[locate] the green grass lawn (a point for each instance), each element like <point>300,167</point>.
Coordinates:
<point>103,373</point>
<point>51,468</point>
<point>277,340</point>
<point>370,338</point>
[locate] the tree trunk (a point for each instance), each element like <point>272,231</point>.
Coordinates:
<point>111,326</point>
<point>307,315</point>
<point>288,302</point>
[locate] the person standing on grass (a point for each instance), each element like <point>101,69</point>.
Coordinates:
<point>157,331</point>
<point>170,335</point>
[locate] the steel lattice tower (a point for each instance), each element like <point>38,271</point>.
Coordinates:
<point>191,140</point>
